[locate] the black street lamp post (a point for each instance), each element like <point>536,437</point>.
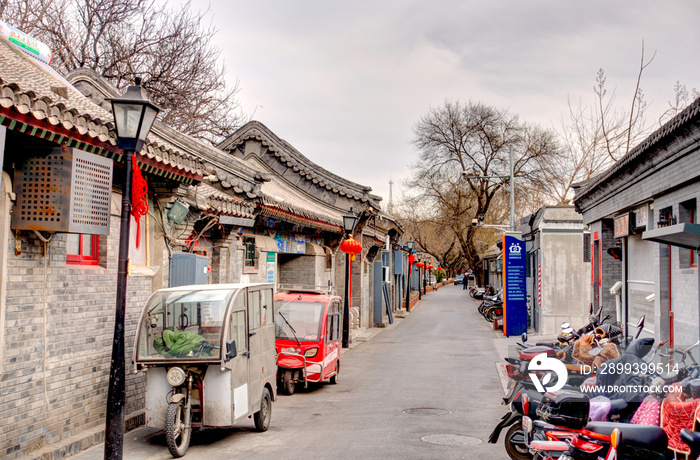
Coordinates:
<point>349,222</point>
<point>134,115</point>
<point>409,244</point>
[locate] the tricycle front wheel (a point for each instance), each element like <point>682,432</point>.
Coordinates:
<point>177,432</point>
<point>288,384</point>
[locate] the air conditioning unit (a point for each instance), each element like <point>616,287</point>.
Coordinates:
<point>65,191</point>
<point>187,269</point>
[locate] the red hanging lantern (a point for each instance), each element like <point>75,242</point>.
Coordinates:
<point>351,247</point>
<point>439,269</point>
<point>420,264</point>
<point>430,267</point>
<point>411,259</point>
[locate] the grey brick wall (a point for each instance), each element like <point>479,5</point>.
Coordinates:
<point>684,280</point>
<point>56,359</point>
<point>297,269</point>
<point>668,183</point>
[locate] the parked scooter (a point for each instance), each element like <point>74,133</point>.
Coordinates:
<point>602,440</point>
<point>491,307</point>
<point>480,293</point>
<point>610,441</point>
<point>523,389</point>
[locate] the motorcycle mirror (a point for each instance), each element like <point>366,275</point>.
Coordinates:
<point>607,317</point>
<point>524,337</point>
<point>568,331</point>
<point>565,325</point>
<point>590,310</point>
<point>640,323</point>
<point>640,326</point>
<point>523,368</point>
<point>230,350</point>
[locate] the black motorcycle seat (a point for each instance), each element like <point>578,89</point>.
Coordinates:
<point>617,405</point>
<point>692,438</point>
<point>649,437</point>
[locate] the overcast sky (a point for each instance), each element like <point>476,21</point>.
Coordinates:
<point>344,82</point>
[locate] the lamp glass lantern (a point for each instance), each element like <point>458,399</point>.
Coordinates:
<point>410,244</point>
<point>349,221</point>
<point>134,115</point>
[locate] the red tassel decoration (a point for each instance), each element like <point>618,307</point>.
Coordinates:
<point>139,199</point>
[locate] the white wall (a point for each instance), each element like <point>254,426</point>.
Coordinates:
<point>565,281</point>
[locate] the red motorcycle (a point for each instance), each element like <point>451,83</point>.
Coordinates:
<point>609,441</point>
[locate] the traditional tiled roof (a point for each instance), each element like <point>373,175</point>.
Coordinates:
<point>290,202</point>
<point>294,159</point>
<point>36,100</point>
<point>207,198</point>
<point>232,173</point>
<point>297,216</point>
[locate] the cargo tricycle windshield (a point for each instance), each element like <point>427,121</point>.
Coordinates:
<point>183,324</point>
<point>298,320</point>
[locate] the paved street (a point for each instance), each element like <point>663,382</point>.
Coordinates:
<point>429,377</point>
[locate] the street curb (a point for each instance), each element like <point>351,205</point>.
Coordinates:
<point>82,442</point>
<point>369,334</point>
<point>502,376</point>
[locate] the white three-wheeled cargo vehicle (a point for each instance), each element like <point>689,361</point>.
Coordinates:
<point>209,356</point>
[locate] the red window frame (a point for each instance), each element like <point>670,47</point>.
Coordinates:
<point>82,258</point>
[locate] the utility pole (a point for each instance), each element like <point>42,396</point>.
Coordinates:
<point>512,191</point>
<point>390,206</point>
<point>511,182</point>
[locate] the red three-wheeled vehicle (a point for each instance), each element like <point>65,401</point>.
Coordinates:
<point>308,338</point>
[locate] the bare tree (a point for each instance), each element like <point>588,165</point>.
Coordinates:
<point>595,136</point>
<point>431,230</point>
<point>120,39</point>
<point>475,139</point>
<point>683,97</point>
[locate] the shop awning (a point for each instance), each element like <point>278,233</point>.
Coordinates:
<point>266,244</point>
<point>683,235</point>
<point>313,249</point>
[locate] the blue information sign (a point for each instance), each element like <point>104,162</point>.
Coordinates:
<point>514,286</point>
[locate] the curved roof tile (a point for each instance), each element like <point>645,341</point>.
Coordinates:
<point>298,162</point>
